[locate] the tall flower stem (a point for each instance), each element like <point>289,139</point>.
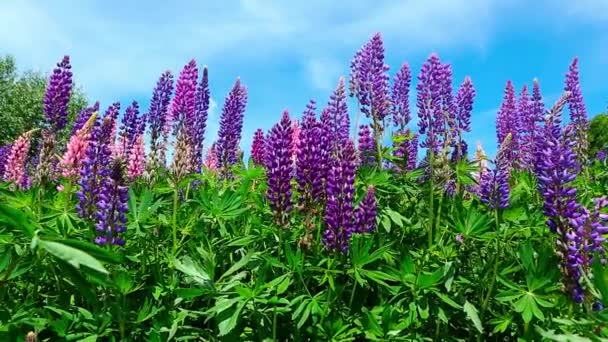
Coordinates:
<point>497,257</point>
<point>431,197</point>
<point>352,295</point>
<point>174,222</point>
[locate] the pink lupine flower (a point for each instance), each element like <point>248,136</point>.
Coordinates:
<point>72,161</point>
<point>137,158</point>
<point>211,158</point>
<point>119,149</point>
<point>295,138</point>
<point>15,163</point>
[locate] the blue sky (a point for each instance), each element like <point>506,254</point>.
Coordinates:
<point>287,52</point>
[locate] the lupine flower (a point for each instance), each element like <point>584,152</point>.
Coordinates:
<point>72,160</point>
<point>527,119</point>
<point>366,146</point>
<point>480,159</point>
<point>112,115</point>
<point>203,98</point>
<point>538,110</point>
<point>182,157</point>
<point>15,162</point>
<point>406,150</point>
<point>337,115</point>
<point>450,130</point>
<point>57,95</point>
<point>257,147</point>
<point>428,101</point>
<point>231,126</point>
<point>494,185</point>
<point>157,119</point>
<point>601,155</point>
<point>5,151</point>
<point>558,169</point>
<point>578,112</point>
<point>112,206</point>
<point>400,97</point>
<point>46,158</point>
<point>309,175</point>
<point>325,148</point>
<point>130,128</point>
<point>183,107</point>
<point>339,212</point>
<point>83,116</point>
<point>369,80</point>
<point>365,215</point>
<point>295,139</point>
<point>280,169</point>
<point>211,159</point>
<point>464,106</point>
<point>459,239</point>
<point>96,163</point>
<point>137,158</point>
<point>507,122</point>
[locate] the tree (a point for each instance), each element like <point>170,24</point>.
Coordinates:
<point>21,99</point>
<point>598,134</point>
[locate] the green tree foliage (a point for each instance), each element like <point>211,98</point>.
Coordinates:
<point>21,102</point>
<point>598,133</point>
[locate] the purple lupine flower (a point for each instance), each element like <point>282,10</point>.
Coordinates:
<point>464,106</point>
<point>507,122</point>
<point>325,149</point>
<point>157,119</point>
<point>369,79</point>
<point>365,215</point>
<point>400,97</point>
<point>257,147</point>
<point>280,169</point>
<point>601,155</point>
<point>339,212</point>
<point>598,226</point>
<point>494,187</point>
<point>231,126</point>
<point>538,110</point>
<point>96,163</point>
<point>130,129</point>
<point>308,172</point>
<point>112,206</point>
<point>183,106</point>
<point>450,129</point>
<point>578,112</point>
<point>366,146</point>
<point>527,119</point>
<point>337,112</point>
<point>57,95</point>
<point>428,101</point>
<point>203,98</point>
<point>5,151</point>
<point>558,168</point>
<point>83,116</point>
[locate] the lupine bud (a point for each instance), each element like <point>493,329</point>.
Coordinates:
<point>527,119</point>
<point>112,206</point>
<point>578,112</point>
<point>182,157</point>
<point>337,115</point>
<point>157,120</point>
<point>280,169</point>
<point>203,98</point>
<point>231,126</point>
<point>57,95</point>
<point>507,122</point>
<point>257,147</point>
<point>366,146</point>
<point>15,162</point>
<point>428,101</point>
<point>400,97</point>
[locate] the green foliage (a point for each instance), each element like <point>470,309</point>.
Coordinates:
<point>598,134</point>
<point>21,106</point>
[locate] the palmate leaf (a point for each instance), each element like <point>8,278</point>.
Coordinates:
<point>471,312</point>
<point>21,220</point>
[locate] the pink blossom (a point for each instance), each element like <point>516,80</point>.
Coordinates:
<point>211,158</point>
<point>15,163</point>
<point>72,161</point>
<point>137,158</point>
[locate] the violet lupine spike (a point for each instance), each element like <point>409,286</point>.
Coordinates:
<point>83,116</point>
<point>601,155</point>
<point>57,95</point>
<point>137,158</point>
<point>112,114</point>
<point>112,206</point>
<point>339,212</point>
<point>428,101</point>
<point>507,122</point>
<point>450,129</point>
<point>557,170</point>
<point>464,104</point>
<point>369,79</point>
<point>538,110</point>
<point>494,187</point>
<point>231,126</point>
<point>365,215</point>
<point>400,97</point>
<point>366,146</point>
<point>405,150</point>
<point>183,107</point>
<point>337,112</point>
<point>130,128</point>
<point>527,129</point>
<point>325,149</point>
<point>309,174</point>
<point>5,151</point>
<point>257,147</point>
<point>95,165</point>
<point>15,171</point>
<point>203,98</point>
<point>578,112</point>
<point>72,161</point>
<point>157,119</point>
<point>279,167</point>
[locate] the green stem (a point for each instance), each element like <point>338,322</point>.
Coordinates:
<point>499,253</point>
<point>174,222</point>
<point>274,324</point>
<point>122,319</point>
<point>431,195</point>
<point>352,295</point>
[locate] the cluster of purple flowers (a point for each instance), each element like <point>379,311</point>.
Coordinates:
<point>231,126</point>
<point>157,119</point>
<point>112,205</point>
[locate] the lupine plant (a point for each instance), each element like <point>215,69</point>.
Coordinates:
<point>330,232</point>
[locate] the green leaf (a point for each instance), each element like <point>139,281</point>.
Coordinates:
<point>72,256</point>
<point>227,325</point>
<point>95,251</point>
<point>17,219</point>
<point>238,265</point>
<point>526,254</point>
<point>188,267</point>
<point>448,300</point>
<point>471,312</point>
<point>600,278</point>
